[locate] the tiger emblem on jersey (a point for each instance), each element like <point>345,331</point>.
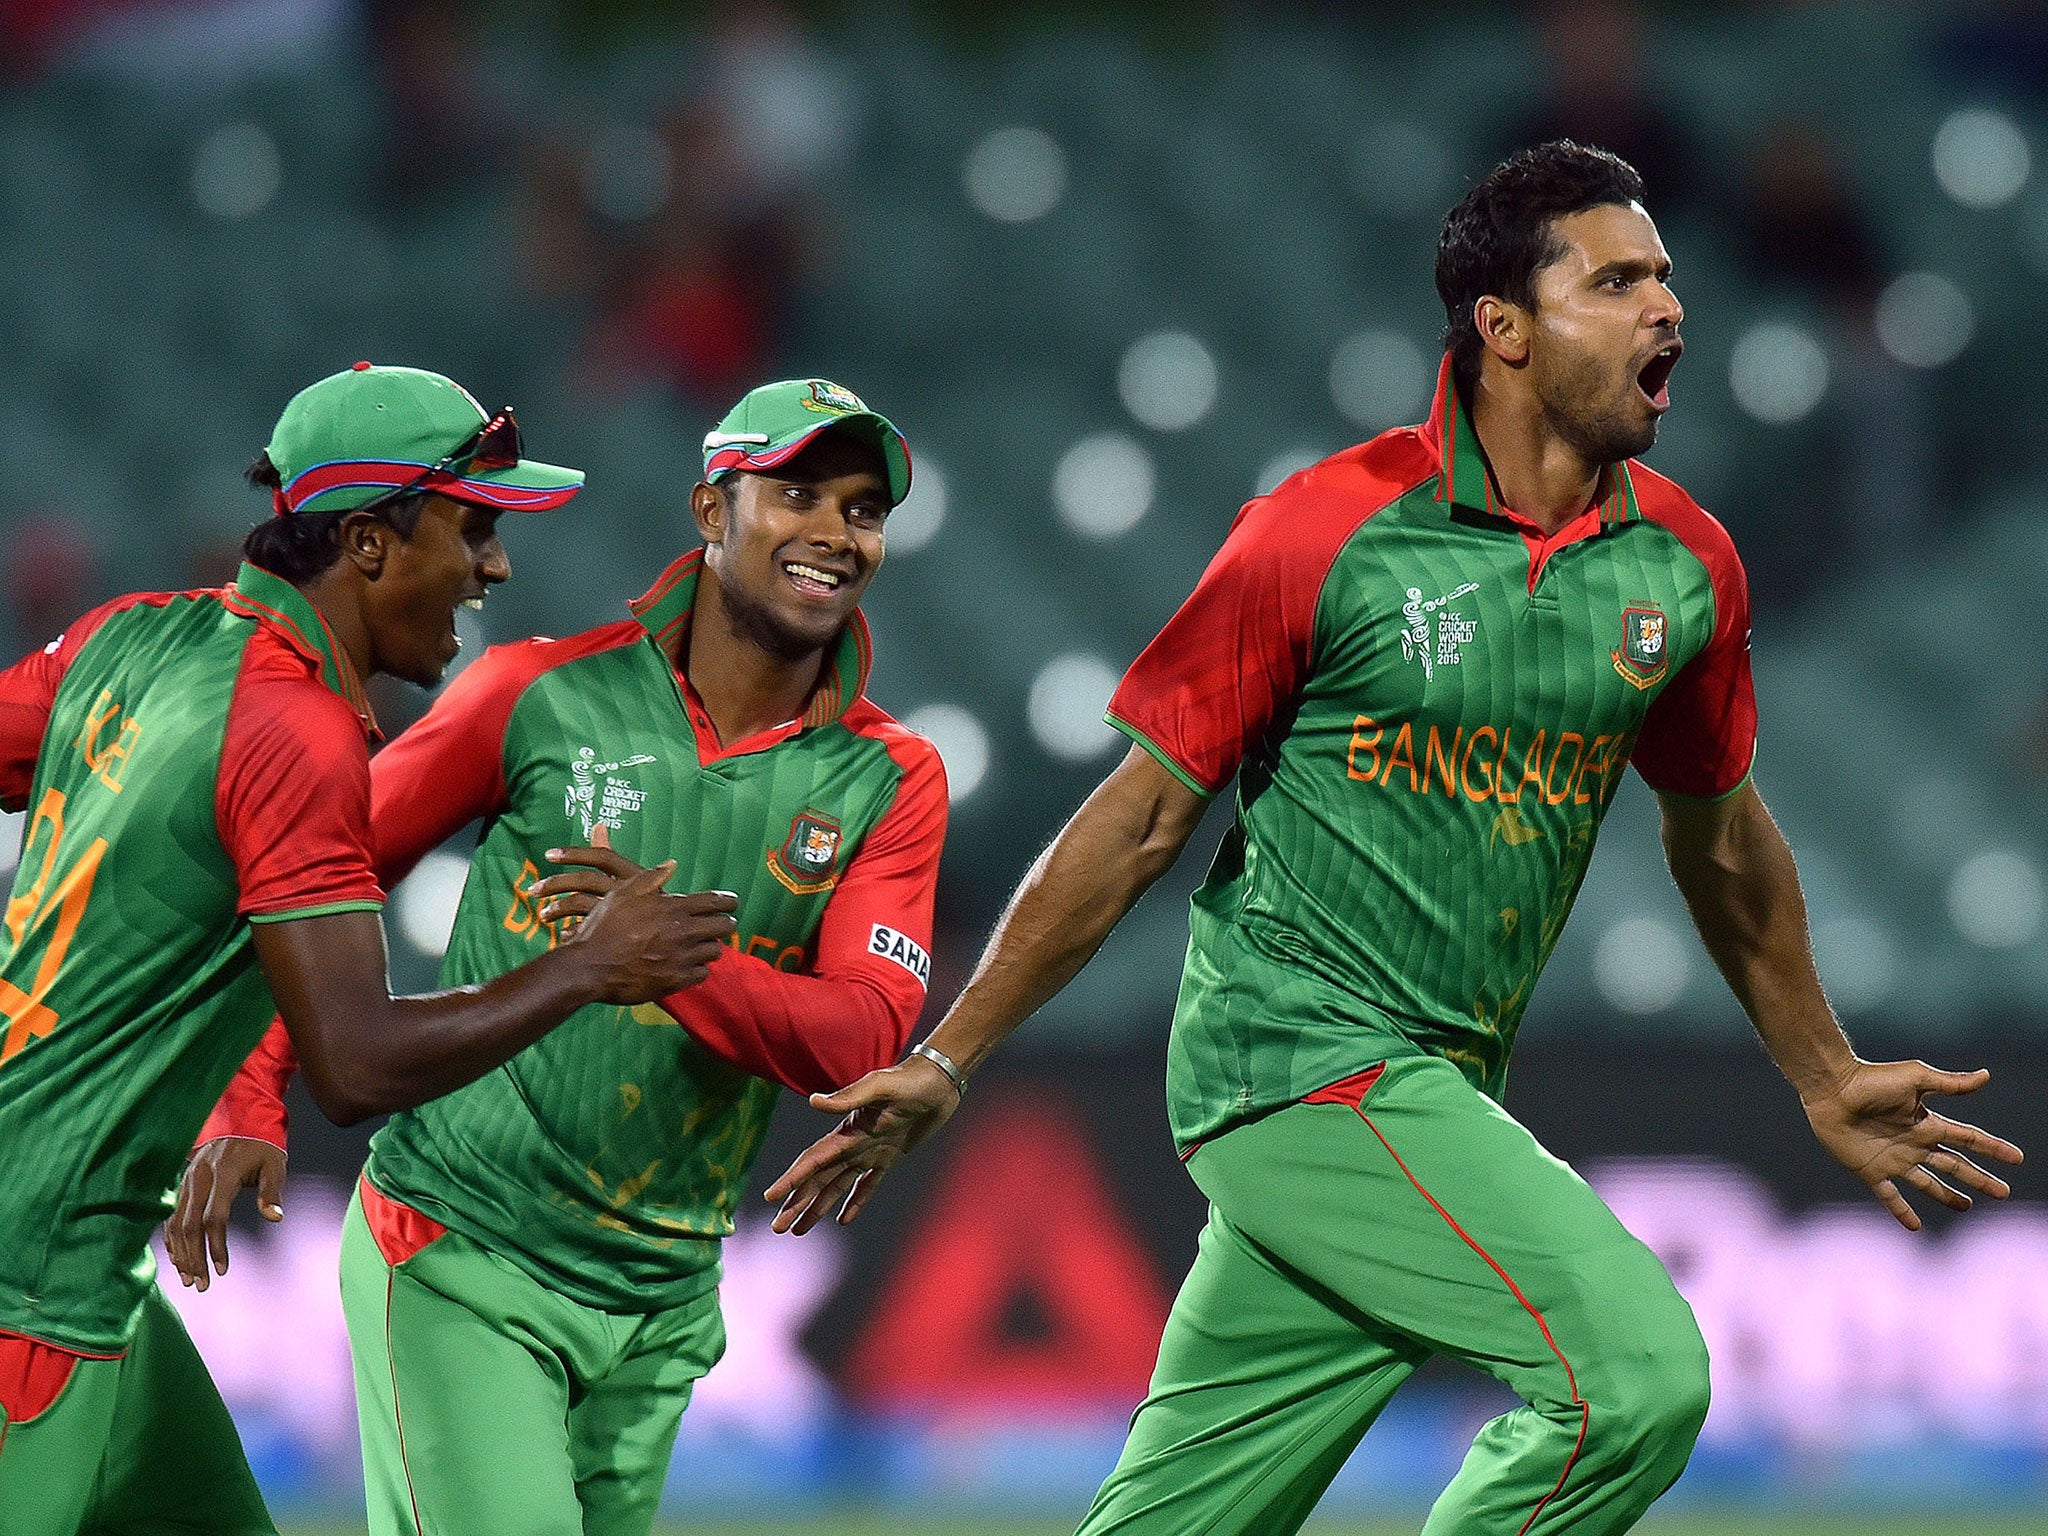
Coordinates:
<point>1643,658</point>
<point>805,861</point>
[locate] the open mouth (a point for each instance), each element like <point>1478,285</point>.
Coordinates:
<point>1654,378</point>
<point>474,605</point>
<point>812,580</point>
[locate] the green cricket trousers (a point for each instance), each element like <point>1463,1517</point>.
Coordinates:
<point>1394,1216</point>
<point>135,1444</point>
<point>491,1405</point>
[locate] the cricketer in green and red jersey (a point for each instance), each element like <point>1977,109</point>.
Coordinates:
<point>547,1239</point>
<point>1426,661</point>
<point>195,767</point>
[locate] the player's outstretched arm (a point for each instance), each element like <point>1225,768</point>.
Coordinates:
<point>367,1053</point>
<point>1125,836</point>
<point>1733,866</point>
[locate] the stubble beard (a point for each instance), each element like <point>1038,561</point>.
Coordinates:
<point>758,626</point>
<point>1597,436</point>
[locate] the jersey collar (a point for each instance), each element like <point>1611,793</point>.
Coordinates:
<point>1463,480</point>
<point>259,594</point>
<point>664,612</point>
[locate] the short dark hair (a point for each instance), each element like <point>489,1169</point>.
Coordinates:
<point>1503,232</point>
<point>300,545</point>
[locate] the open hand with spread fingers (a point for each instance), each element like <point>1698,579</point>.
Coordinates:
<point>1876,1122</point>
<point>886,1114</point>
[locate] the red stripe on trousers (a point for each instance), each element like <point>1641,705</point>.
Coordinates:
<point>1571,1380</point>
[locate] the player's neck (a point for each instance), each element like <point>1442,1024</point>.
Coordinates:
<point>744,687</point>
<point>1535,471</point>
<point>342,610</point>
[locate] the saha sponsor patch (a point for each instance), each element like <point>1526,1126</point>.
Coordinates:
<point>903,949</point>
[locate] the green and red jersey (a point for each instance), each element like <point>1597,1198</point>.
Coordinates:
<point>1427,703</point>
<point>608,1158</point>
<point>190,763</point>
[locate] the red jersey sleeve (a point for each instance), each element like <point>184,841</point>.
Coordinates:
<point>293,798</point>
<point>1699,738</point>
<point>28,691</point>
<point>253,1105</point>
<point>449,768</point>
<point>1203,693</point>
<point>854,1011</point>
<point>437,777</point>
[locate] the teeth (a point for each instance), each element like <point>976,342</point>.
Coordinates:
<point>826,578</point>
<point>474,604</point>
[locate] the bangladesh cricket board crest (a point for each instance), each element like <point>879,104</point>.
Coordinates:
<point>832,399</point>
<point>1644,655</point>
<point>807,862</point>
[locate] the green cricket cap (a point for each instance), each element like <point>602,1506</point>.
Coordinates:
<point>367,430</point>
<point>772,424</point>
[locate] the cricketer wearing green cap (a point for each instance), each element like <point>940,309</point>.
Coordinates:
<point>195,771</point>
<point>364,435</point>
<point>547,1239</point>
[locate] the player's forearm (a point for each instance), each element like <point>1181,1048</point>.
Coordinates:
<point>438,1042</point>
<point>1739,880</point>
<point>367,1053</point>
<point>1124,837</point>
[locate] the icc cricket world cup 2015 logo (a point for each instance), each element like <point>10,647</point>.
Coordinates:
<point>596,793</point>
<point>1644,655</point>
<point>1452,630</point>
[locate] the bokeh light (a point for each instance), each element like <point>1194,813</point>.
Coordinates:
<point>1995,899</point>
<point>1924,320</point>
<point>1642,964</point>
<point>1103,485</point>
<point>1380,379</point>
<point>1858,960</point>
<point>1981,158</point>
<point>236,172</point>
<point>425,901</point>
<point>1015,175</point>
<point>1778,373</point>
<point>1288,461</point>
<point>1065,707</point>
<point>1168,381</point>
<point>962,741</point>
<point>917,521</point>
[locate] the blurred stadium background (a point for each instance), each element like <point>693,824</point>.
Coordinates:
<point>1115,268</point>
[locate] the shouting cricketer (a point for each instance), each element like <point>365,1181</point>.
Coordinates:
<point>547,1239</point>
<point>1426,661</point>
<point>196,772</point>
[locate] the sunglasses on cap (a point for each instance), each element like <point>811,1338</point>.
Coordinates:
<point>497,444</point>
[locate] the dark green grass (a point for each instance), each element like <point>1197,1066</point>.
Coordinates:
<point>1696,1524</point>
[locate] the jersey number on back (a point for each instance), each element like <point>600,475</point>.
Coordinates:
<point>25,1012</point>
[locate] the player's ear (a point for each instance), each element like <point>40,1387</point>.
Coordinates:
<point>366,541</point>
<point>1503,328</point>
<point>711,511</point>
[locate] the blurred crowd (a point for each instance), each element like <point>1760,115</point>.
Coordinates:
<point>681,244</point>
